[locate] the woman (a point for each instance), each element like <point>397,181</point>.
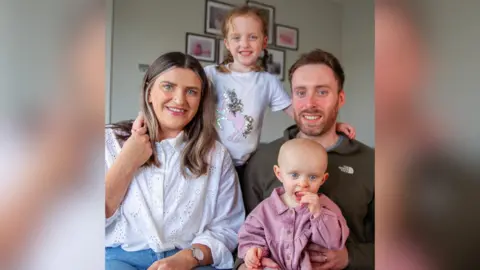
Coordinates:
<point>173,200</point>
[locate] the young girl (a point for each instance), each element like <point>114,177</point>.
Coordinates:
<point>242,87</point>
<point>281,226</point>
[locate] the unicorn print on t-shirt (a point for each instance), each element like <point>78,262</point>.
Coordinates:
<point>231,109</point>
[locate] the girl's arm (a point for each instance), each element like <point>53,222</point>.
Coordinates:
<point>347,129</point>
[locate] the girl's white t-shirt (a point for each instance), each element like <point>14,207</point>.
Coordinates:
<point>242,99</point>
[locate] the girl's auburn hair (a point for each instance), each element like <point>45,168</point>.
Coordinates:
<point>244,10</point>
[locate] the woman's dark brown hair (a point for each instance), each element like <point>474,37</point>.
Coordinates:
<point>200,132</point>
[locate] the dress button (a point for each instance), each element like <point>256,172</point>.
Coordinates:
<point>289,232</point>
<point>288,257</point>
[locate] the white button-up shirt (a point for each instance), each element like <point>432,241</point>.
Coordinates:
<point>162,210</point>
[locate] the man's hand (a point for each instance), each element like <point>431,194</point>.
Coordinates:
<point>324,259</point>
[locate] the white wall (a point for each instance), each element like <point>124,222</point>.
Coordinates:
<point>357,58</point>
<point>143,30</point>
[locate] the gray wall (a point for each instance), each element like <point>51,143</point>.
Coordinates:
<point>358,56</point>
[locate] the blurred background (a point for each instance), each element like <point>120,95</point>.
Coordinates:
<point>52,103</point>
<point>427,149</point>
<point>68,67</point>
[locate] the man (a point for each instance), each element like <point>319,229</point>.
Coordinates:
<point>317,80</point>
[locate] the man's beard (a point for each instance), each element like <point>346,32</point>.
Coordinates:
<point>320,129</point>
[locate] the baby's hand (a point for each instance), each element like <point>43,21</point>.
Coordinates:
<point>312,200</point>
<point>253,258</point>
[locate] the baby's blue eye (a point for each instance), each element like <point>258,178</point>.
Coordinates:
<point>294,175</point>
<point>313,177</point>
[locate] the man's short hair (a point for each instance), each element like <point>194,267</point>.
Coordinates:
<point>319,57</point>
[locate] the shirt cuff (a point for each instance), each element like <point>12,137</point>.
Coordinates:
<point>280,107</point>
<point>221,255</point>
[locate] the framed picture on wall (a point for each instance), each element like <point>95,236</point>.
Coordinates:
<point>269,14</point>
<point>215,13</point>
<point>201,47</point>
<point>286,37</point>
<point>276,63</point>
<point>222,51</point>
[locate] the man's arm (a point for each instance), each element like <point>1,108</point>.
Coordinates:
<point>362,255</point>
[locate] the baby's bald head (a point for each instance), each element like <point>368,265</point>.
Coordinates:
<point>302,152</point>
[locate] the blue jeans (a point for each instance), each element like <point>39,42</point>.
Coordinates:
<point>118,259</point>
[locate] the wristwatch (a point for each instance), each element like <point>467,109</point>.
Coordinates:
<point>197,254</point>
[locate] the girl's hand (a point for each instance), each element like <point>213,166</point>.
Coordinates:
<point>347,129</point>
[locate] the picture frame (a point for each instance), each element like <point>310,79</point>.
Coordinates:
<point>222,51</point>
<point>215,12</point>
<point>269,12</point>
<point>286,37</point>
<point>201,47</point>
<point>276,62</point>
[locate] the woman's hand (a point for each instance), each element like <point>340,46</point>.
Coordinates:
<point>180,261</point>
<point>138,148</point>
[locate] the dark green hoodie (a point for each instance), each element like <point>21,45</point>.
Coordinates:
<point>350,185</point>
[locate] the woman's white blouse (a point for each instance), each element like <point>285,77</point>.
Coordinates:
<point>162,210</point>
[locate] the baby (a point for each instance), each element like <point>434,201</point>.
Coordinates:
<point>281,226</point>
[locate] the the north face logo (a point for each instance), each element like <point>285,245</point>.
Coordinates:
<point>346,169</point>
